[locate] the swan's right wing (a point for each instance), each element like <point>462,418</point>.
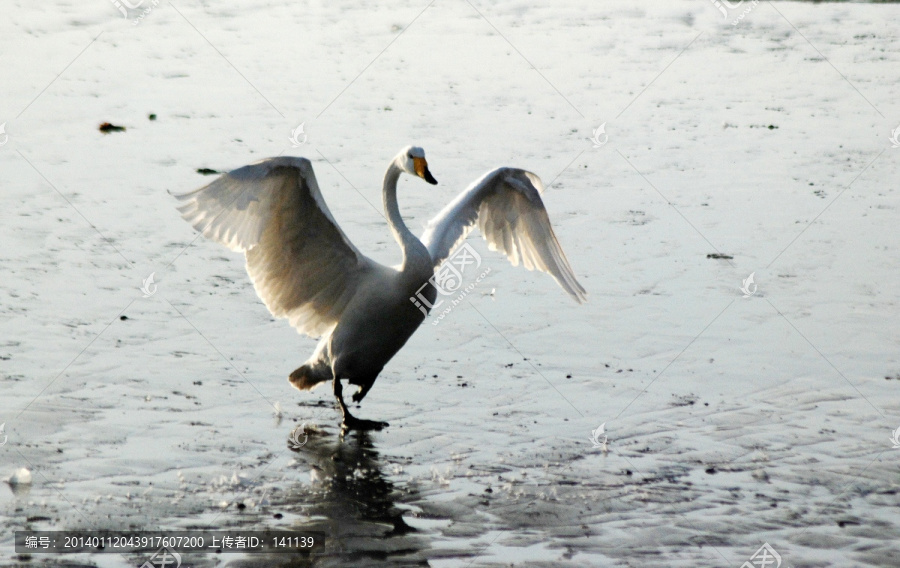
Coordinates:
<point>302,265</point>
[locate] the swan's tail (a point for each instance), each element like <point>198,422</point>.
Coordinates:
<point>315,371</point>
<point>309,376</point>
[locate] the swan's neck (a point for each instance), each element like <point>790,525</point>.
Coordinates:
<point>415,255</point>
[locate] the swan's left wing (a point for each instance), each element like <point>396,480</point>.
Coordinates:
<point>506,205</point>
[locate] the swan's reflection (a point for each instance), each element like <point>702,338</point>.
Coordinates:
<point>353,504</point>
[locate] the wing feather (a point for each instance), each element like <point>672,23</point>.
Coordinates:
<point>506,206</point>
<point>302,265</point>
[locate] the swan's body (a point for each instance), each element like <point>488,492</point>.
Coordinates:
<point>306,269</point>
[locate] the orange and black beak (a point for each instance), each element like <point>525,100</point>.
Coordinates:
<point>422,170</point>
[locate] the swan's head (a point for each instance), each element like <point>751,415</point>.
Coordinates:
<point>412,161</point>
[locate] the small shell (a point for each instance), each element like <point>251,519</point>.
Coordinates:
<point>21,477</point>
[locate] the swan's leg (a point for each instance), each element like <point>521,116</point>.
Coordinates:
<point>351,422</point>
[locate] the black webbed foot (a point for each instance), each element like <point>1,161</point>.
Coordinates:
<point>351,422</point>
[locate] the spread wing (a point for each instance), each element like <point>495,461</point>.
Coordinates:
<point>506,205</point>
<point>303,266</point>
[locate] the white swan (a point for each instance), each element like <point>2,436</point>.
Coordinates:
<point>306,269</point>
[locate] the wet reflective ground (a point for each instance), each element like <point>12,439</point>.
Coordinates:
<point>730,419</point>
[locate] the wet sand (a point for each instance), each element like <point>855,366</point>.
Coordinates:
<point>729,421</point>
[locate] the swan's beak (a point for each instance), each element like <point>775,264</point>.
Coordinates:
<point>422,170</point>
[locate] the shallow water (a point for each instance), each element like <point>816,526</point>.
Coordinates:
<point>730,420</point>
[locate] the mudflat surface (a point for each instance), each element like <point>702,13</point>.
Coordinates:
<point>730,420</point>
